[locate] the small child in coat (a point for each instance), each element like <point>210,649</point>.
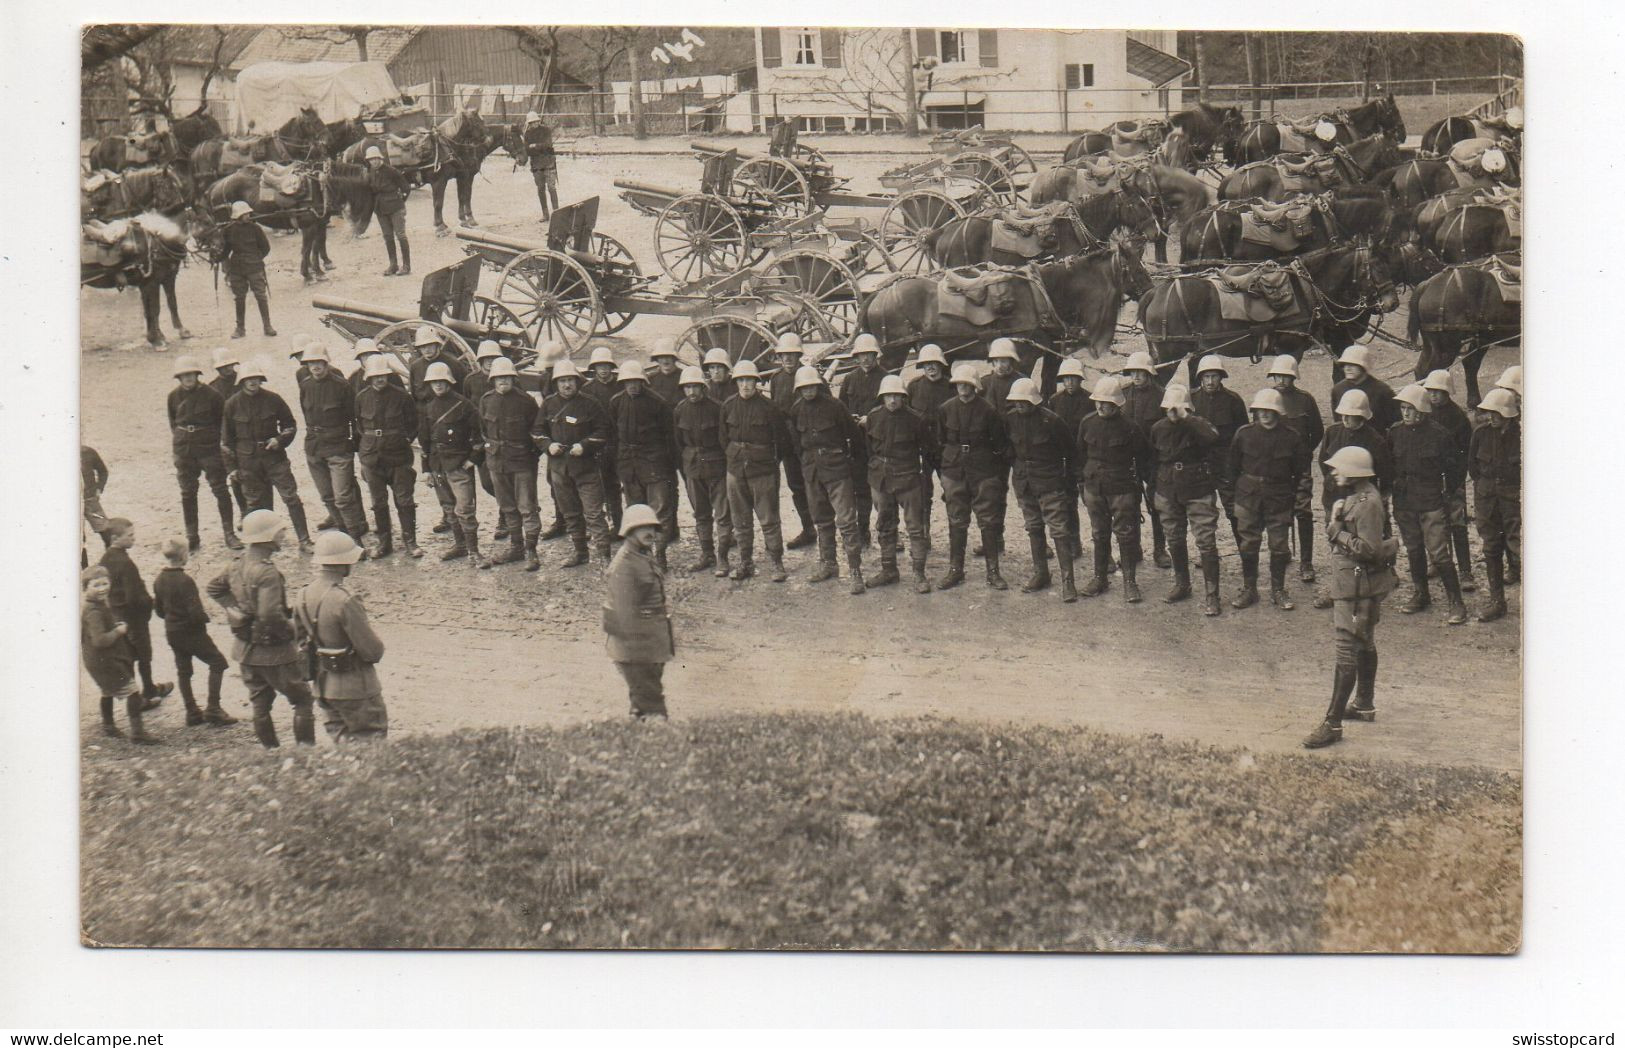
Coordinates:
<point>186,627</point>
<point>130,599</point>
<point>108,655</point>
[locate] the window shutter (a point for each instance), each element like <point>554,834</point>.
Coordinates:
<point>1088,74</point>
<point>830,44</point>
<point>770,47</point>
<point>925,43</point>
<point>988,41</point>
<point>1072,76</point>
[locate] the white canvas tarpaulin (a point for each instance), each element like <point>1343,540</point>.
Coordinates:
<point>269,94</point>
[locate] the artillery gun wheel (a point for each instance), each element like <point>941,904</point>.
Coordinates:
<point>743,337</point>
<point>699,236</point>
<point>908,219</point>
<point>397,341</point>
<point>774,181</point>
<point>553,297</point>
<point>493,314</point>
<point>607,246</point>
<point>990,171</point>
<point>1019,161</point>
<point>828,283</point>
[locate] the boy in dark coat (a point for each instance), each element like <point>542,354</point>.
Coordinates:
<point>130,600</point>
<point>186,627</point>
<point>105,647</point>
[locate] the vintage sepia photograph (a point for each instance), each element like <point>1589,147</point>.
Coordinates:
<point>803,488</point>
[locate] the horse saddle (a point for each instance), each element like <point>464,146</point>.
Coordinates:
<point>411,150</point>
<point>1309,175</point>
<point>145,149</point>
<point>1095,177</point>
<point>280,183</point>
<point>240,152</point>
<point>1507,269</point>
<point>107,244</point>
<point>977,296</point>
<point>1477,161</point>
<point>1254,293</point>
<point>1025,231</point>
<point>1281,226</point>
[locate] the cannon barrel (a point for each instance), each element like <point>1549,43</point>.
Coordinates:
<point>649,187</point>
<point>713,148</point>
<point>465,328</point>
<point>480,236</point>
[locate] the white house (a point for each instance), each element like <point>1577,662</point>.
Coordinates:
<point>1005,79</point>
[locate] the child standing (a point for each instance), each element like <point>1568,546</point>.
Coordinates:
<point>186,627</point>
<point>130,600</point>
<point>108,656</point>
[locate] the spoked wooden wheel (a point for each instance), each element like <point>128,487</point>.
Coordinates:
<point>774,181</point>
<point>1018,161</point>
<point>991,172</point>
<point>398,342</point>
<point>493,314</point>
<point>553,297</point>
<point>608,247</point>
<point>906,222</point>
<point>743,337</point>
<point>699,236</point>
<point>828,283</point>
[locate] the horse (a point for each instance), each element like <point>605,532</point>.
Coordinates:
<point>1465,231</point>
<point>147,252</point>
<point>1348,211</point>
<point>1412,183</point>
<point>1437,140</point>
<point>108,195</point>
<point>460,146</point>
<point>342,134</point>
<point>302,137</point>
<point>121,152</point>
<point>1458,314</point>
<point>1206,126</point>
<point>970,240</point>
<point>1358,163</point>
<point>1163,194</point>
<point>1337,289</point>
<point>301,199</point>
<point>1125,207</point>
<point>1084,294</point>
<point>1380,115</point>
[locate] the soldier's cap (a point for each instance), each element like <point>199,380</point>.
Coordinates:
<point>502,367</point>
<point>789,342</point>
<point>336,547</point>
<point>427,336</point>
<point>1211,362</point>
<point>965,375</point>
<point>439,371</point>
<point>1501,402</point>
<point>718,355</point>
<point>807,376</point>
<point>1359,356</point>
<point>1176,397</point>
<point>1355,402</point>
<point>1109,390</point>
<point>488,349</point>
<point>631,370</point>
<point>1439,380</point>
<point>746,369</point>
<point>374,153</point>
<point>1284,365</point>
<point>317,351</point>
<point>1416,397</point>
<point>565,368</point>
<point>1511,378</point>
<point>363,346</point>
<point>1352,461</point>
<point>262,525</point>
<point>865,343</point>
<point>225,358</point>
<point>1024,389</point>
<point>1140,362</point>
<point>375,367</point>
<point>186,366</point>
<point>601,355</point>
<point>239,208</point>
<point>254,369</point>
<point>1268,400</point>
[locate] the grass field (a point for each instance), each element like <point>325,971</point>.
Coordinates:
<point>794,831</point>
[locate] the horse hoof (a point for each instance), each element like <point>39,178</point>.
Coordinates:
<point>442,231</point>
<point>182,333</point>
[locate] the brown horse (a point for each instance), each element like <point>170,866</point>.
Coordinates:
<point>1164,195</point>
<point>1337,289</point>
<point>297,196</point>
<point>1359,163</point>
<point>302,137</point>
<point>1458,314</point>
<point>107,195</point>
<point>1466,232</point>
<point>1412,183</point>
<point>971,240</point>
<point>1437,140</point>
<point>457,148</point>
<point>146,251</point>
<point>1206,126</point>
<point>1215,233</point>
<point>1079,302</point>
<point>172,146</point>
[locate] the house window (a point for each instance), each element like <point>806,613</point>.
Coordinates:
<point>803,47</point>
<point>951,45</point>
<point>1080,75</point>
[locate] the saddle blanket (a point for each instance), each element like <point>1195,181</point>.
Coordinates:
<point>1097,177</point>
<point>1507,270</point>
<point>1254,293</point>
<point>106,244</point>
<point>413,150</point>
<point>1024,241</point>
<point>975,296</point>
<point>1281,228</point>
<point>1310,175</point>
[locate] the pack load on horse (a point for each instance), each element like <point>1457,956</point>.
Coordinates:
<point>1254,230</point>
<point>145,251</point>
<point>1506,128</point>
<point>1470,223</point>
<point>1148,198</point>
<point>1206,127</point>
<point>454,149</point>
<point>295,196</point>
<point>1463,310</point>
<point>1288,174</point>
<point>1321,132</point>
<point>1481,162</point>
<point>107,195</point>
<point>1265,308</point>
<point>303,137</point>
<point>1120,140</point>
<point>1012,236</point>
<point>159,147</point>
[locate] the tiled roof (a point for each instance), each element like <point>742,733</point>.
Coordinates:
<point>194,44</point>
<point>1159,67</point>
<point>273,44</point>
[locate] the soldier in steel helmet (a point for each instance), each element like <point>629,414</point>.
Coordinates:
<point>1496,462</point>
<point>1142,395</point>
<point>1043,476</point>
<point>637,619</point>
<point>1300,411</point>
<point>827,441</point>
<point>507,419</point>
<point>1268,459</point>
<point>645,450</point>
<point>780,388</point>
<point>342,649</point>
<point>903,451</point>
<point>1424,465</point>
<point>697,420</point>
<point>449,436</point>
<point>975,475</point>
<point>1110,449</point>
<point>1187,495</point>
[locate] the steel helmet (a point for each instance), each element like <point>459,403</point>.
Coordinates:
<point>932,354</point>
<point>336,547</point>
<point>638,515</point>
<point>1511,378</point>
<point>254,369</point>
<point>262,525</point>
<point>488,349</point>
<point>664,347</point>
<point>1072,367</point>
<point>1176,397</point>
<point>565,368</point>
<point>1268,400</point>
<point>693,375</point>
<point>1355,402</point>
<point>239,208</point>
<point>601,355</point>
<point>549,353</point>
<point>965,375</point>
<point>532,117</point>
<point>1284,365</point>
<point>865,343</point>
<point>427,336</point>
<point>1002,349</point>
<point>502,367</point>
<point>631,370</point>
<point>1416,397</point>
<point>1500,401</point>
<point>186,366</point>
<point>808,376</point>
<point>1439,380</point>
<point>300,344</point>
<point>375,366</point>
<point>224,358</point>
<point>1108,390</point>
<point>1024,389</point>
<point>893,384</point>
<point>1513,118</point>
<point>1140,362</point>
<point>1211,362</point>
<point>363,346</point>
<point>1359,356</point>
<point>746,369</point>
<point>789,342</point>
<point>317,351</point>
<point>1326,131</point>
<point>374,153</point>
<point>1493,161</point>
<point>1352,461</point>
<point>718,355</point>
<point>438,372</point>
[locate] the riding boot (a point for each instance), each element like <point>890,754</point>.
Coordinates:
<point>921,583</point>
<point>1097,582</point>
<point>459,546</point>
<point>1514,571</point>
<point>1182,574</point>
<point>991,548</point>
<point>1248,595</point>
<point>228,527</point>
<point>1331,729</point>
<point>1210,584</point>
<point>1306,549</point>
<point>296,516</point>
<point>409,531</point>
<point>775,557</point>
<point>1278,594</point>
<point>725,545</point>
<point>806,536</point>
<point>854,571</point>
<point>189,516</point>
<point>1452,592</point>
<point>394,265</point>
<point>385,533</point>
<point>265,317</point>
<point>265,730</point>
<point>138,732</point>
<point>532,562</point>
<point>826,557</point>
<point>1040,578</point>
<point>406,258</point>
<point>555,530</point>
<point>957,538</point>
<point>708,552</point>
<point>447,523</point>
<point>1364,706</point>
<point>1159,542</point>
<point>304,726</point>
<point>471,539</point>
<point>1421,597</point>
<point>242,315</point>
<point>747,566</point>
<point>580,556</point>
<point>1131,585</point>
<point>1464,558</point>
<point>1496,606</point>
<point>194,716</point>
<point>888,563</point>
<point>212,713</point>
<point>110,728</point>
<point>1064,565</point>
<point>864,541</point>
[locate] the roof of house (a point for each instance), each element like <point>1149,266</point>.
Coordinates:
<point>195,44</point>
<point>1157,66</point>
<point>274,44</point>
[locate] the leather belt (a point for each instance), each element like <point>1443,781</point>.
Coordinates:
<point>194,429</point>
<point>965,448</point>
<point>383,433</point>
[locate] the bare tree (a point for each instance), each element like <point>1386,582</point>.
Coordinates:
<point>539,43</point>
<point>103,43</point>
<point>332,34</point>
<point>1200,65</point>
<point>911,125</point>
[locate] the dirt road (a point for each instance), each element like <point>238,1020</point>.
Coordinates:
<point>503,647</point>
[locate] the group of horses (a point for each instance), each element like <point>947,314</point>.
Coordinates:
<point>298,177</point>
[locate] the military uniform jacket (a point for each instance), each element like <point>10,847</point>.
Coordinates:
<point>721,392</point>
<point>1362,560</point>
<point>1268,462</point>
<point>824,436</point>
<point>175,599</point>
<point>245,247</point>
<point>329,407</point>
<point>335,618</point>
<point>224,386</point>
<point>664,384</point>
<point>475,385</point>
<point>643,431</point>
<point>254,586</point>
<point>860,390</point>
<point>1111,450</point>
<point>1496,460</point>
<point>301,375</point>
<point>507,422</point>
<point>1303,415</point>
<point>974,440</point>
<point>449,432</point>
<point>1424,463</point>
<point>194,420</point>
<point>249,421</point>
<point>568,421</point>
<point>1072,407</point>
<point>637,623</point>
<point>1450,418</point>
<point>902,447</point>
<point>602,392</point>
<point>698,428</point>
<point>359,381</point>
<point>538,140</point>
<point>1339,436</point>
<point>928,396</point>
<point>388,189</point>
<point>781,388</point>
<point>996,388</point>
<point>753,436</point>
<point>1225,409</point>
<point>386,420</point>
<point>1043,451</point>
<point>128,594</point>
<point>1184,455</point>
<point>420,367</point>
<point>1384,411</point>
<point>1144,409</point>
<point>92,470</point>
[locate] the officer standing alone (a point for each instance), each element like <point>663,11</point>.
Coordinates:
<point>334,624</point>
<point>637,620</point>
